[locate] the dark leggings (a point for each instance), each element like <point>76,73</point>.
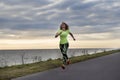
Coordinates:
<point>64,48</point>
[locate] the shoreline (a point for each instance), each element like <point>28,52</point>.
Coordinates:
<point>51,49</point>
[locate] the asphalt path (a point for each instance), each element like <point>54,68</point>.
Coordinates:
<point>102,68</point>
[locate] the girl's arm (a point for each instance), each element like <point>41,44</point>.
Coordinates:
<point>57,34</point>
<point>72,36</point>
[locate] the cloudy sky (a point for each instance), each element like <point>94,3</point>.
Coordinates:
<point>31,24</point>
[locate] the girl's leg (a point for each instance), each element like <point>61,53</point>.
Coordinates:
<point>62,51</point>
<point>67,59</point>
<point>64,48</point>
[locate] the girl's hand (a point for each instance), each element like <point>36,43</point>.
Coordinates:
<point>57,34</point>
<point>74,39</point>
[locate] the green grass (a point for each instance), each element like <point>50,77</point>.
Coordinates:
<point>7,73</point>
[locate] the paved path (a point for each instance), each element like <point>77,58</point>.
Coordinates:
<point>102,68</point>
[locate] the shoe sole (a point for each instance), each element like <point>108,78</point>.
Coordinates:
<point>62,67</point>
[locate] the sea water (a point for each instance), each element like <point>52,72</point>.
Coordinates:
<point>17,57</point>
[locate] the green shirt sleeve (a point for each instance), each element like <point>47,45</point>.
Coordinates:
<point>59,31</point>
<point>68,31</point>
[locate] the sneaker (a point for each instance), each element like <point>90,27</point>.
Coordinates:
<point>68,62</point>
<point>63,67</point>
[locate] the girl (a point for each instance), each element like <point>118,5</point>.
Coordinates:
<point>63,33</point>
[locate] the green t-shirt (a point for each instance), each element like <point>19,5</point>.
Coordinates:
<point>63,36</point>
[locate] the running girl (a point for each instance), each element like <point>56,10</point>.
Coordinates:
<point>63,33</point>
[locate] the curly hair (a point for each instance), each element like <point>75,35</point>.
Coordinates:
<point>66,26</point>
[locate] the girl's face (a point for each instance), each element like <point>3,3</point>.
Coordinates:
<point>63,27</point>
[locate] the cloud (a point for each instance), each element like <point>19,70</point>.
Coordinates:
<point>20,18</point>
<point>26,34</point>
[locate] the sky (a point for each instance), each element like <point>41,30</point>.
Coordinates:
<point>32,24</point>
